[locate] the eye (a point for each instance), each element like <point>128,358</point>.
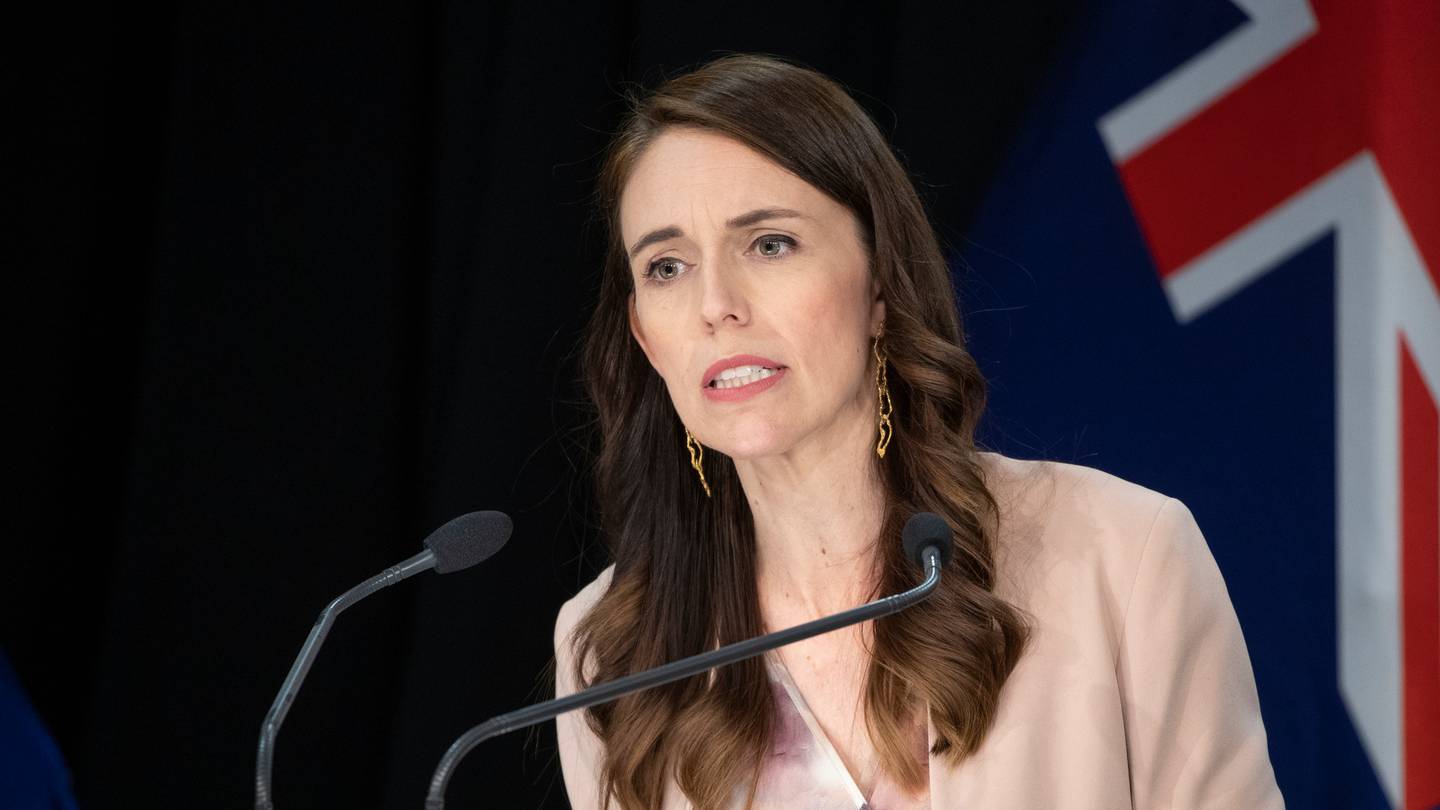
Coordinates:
<point>662,271</point>
<point>770,245</point>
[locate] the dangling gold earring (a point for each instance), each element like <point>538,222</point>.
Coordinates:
<point>697,455</point>
<point>883,390</point>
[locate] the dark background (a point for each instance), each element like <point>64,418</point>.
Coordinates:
<point>307,281</point>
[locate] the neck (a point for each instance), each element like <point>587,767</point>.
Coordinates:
<point>818,510</point>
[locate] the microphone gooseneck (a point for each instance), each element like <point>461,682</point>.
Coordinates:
<point>460,543</point>
<point>932,543</point>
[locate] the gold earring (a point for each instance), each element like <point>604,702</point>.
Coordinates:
<point>697,455</point>
<point>883,390</point>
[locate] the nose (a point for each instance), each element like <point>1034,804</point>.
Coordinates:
<point>723,297</point>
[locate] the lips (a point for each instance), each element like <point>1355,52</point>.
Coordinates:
<point>738,360</point>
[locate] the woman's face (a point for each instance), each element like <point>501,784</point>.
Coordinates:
<point>733,256</point>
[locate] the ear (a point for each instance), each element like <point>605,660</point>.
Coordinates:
<point>636,331</point>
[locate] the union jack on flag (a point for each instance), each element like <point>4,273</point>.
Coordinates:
<point>1275,166</point>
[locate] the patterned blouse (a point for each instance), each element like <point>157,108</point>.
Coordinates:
<point>803,771</point>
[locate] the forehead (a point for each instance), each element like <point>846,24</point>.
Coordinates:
<point>697,179</point>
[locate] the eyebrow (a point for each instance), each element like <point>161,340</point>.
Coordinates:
<point>744,220</point>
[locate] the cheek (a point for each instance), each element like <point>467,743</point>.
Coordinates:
<point>833,321</point>
<point>660,324</point>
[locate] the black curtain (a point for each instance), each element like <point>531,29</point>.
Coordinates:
<point>306,281</point>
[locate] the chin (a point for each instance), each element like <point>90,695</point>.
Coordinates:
<point>751,444</point>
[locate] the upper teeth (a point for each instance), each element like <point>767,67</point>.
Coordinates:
<point>741,375</point>
<point>741,371</point>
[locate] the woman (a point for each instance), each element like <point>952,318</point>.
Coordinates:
<point>781,381</point>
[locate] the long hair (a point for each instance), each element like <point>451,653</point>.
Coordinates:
<point>684,576</point>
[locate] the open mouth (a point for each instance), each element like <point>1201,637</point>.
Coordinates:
<point>741,376</point>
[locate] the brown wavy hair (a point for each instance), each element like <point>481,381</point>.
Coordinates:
<point>684,574</point>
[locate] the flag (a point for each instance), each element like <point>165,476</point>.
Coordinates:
<point>1211,264</point>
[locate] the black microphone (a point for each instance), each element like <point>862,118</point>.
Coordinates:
<point>459,544</point>
<point>928,542</point>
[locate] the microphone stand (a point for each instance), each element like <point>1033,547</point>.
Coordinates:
<point>265,751</point>
<point>674,671</point>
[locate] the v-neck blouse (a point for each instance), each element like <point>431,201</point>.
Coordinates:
<point>803,771</point>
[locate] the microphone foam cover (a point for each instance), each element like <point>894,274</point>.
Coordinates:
<point>468,539</point>
<point>927,529</point>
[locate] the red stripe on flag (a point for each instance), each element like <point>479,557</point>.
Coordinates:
<point>1258,145</point>
<point>1405,133</point>
<point>1420,582</point>
<point>1366,79</point>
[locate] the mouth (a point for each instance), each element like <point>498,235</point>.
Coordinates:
<point>741,376</point>
<point>739,371</point>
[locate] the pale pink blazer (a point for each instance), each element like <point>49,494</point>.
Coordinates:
<point>1135,691</point>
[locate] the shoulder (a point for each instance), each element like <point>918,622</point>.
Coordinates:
<point>576,607</point>
<point>1072,506</point>
<point>1043,490</point>
<point>1071,534</point>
